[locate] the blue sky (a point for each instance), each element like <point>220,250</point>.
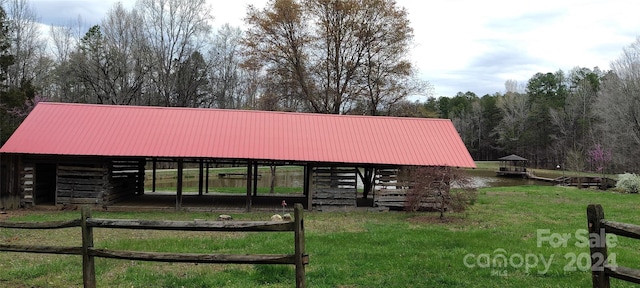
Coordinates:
<point>465,45</point>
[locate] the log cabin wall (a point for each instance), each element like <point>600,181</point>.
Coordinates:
<point>79,180</point>
<point>389,188</point>
<point>394,184</point>
<point>11,188</point>
<point>126,179</point>
<point>81,183</point>
<point>334,187</point>
<point>27,180</point>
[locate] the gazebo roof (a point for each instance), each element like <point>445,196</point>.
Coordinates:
<point>512,157</point>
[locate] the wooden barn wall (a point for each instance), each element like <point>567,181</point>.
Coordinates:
<point>334,187</point>
<point>76,180</point>
<point>82,183</point>
<point>392,184</point>
<point>126,178</point>
<point>102,182</point>
<point>11,182</point>
<point>27,182</point>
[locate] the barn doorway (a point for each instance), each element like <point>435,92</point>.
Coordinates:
<point>45,184</point>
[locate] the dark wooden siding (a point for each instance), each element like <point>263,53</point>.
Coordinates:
<point>334,186</point>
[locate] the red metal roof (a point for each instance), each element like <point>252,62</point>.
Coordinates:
<point>106,130</point>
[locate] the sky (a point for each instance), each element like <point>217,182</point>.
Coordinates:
<point>463,45</point>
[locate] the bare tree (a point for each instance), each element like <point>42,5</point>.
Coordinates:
<point>575,120</point>
<point>226,74</point>
<point>174,29</point>
<point>387,74</point>
<point>469,125</point>
<point>63,86</point>
<point>619,108</point>
<point>438,189</point>
<point>332,56</point>
<point>27,47</point>
<point>277,43</point>
<point>126,50</point>
<point>512,86</point>
<point>62,41</point>
<point>514,122</point>
<point>338,51</point>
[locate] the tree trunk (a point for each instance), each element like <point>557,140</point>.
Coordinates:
<point>273,179</point>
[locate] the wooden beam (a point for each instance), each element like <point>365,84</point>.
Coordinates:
<point>197,258</point>
<point>88,263</point>
<point>179,185</point>
<point>40,225</point>
<point>235,226</point>
<point>200,177</point>
<point>61,250</point>
<point>255,179</point>
<point>206,181</point>
<point>305,183</point>
<point>623,273</point>
<point>595,217</point>
<point>622,229</point>
<point>298,230</point>
<point>308,179</point>
<point>249,176</point>
<point>155,167</point>
<point>141,165</point>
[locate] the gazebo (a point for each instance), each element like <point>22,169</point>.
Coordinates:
<point>512,165</point>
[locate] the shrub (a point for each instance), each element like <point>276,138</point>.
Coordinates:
<point>629,183</point>
<point>449,189</point>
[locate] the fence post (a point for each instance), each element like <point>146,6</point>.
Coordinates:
<point>299,245</point>
<point>88,264</point>
<point>595,214</point>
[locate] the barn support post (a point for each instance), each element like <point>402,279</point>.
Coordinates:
<point>55,190</point>
<point>206,181</point>
<point>249,182</point>
<point>179,184</point>
<point>200,177</point>
<point>308,180</point>
<point>305,183</point>
<point>141,169</point>
<point>153,181</point>
<point>255,179</point>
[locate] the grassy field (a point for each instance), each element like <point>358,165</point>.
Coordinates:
<point>352,249</point>
<point>166,180</point>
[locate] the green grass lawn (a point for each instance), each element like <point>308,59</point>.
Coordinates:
<point>166,180</point>
<point>352,249</point>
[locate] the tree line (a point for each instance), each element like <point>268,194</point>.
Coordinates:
<point>320,56</point>
<point>580,120</point>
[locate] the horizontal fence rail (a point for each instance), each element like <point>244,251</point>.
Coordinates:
<point>88,252</point>
<point>601,270</point>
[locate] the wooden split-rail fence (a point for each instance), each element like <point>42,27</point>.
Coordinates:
<point>88,252</point>
<point>601,269</point>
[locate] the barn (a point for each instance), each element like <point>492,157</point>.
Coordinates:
<point>85,154</point>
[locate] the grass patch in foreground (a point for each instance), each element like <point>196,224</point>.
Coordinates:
<point>353,249</point>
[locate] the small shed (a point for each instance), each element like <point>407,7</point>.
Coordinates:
<point>512,165</point>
